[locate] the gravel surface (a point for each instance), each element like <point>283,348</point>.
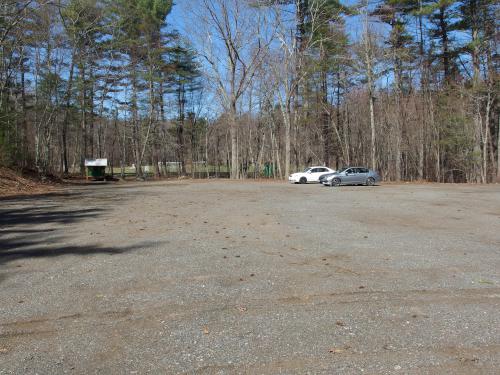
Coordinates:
<point>223,277</point>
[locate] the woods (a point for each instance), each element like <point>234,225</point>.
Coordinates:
<point>409,88</point>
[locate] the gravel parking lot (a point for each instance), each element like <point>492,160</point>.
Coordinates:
<point>223,277</point>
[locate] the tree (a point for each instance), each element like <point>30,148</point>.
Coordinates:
<point>232,44</point>
<point>441,16</point>
<point>184,74</point>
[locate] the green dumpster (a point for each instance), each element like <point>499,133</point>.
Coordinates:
<point>96,168</point>
<point>96,173</point>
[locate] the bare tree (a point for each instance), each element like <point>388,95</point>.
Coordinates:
<point>233,42</point>
<point>369,59</point>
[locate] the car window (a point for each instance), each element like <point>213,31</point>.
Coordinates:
<point>363,170</point>
<point>348,171</point>
<point>323,169</point>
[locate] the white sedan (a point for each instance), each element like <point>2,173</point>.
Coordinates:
<point>311,174</point>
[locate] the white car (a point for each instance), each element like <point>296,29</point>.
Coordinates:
<point>311,174</point>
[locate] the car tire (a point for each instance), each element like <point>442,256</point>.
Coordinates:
<point>303,180</point>
<point>370,181</point>
<point>335,182</point>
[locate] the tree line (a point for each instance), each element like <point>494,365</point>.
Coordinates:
<point>406,87</point>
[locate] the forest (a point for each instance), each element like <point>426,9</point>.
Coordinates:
<point>238,88</point>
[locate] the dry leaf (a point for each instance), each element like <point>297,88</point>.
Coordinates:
<point>206,331</point>
<point>486,282</point>
<point>339,350</point>
<point>336,350</point>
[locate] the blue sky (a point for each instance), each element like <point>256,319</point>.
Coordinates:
<point>176,19</point>
<point>179,19</point>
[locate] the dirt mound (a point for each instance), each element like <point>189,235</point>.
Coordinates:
<point>14,183</point>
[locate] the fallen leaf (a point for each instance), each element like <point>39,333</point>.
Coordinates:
<point>339,350</point>
<point>485,282</point>
<point>242,309</point>
<point>336,350</point>
<point>206,330</point>
<point>473,359</point>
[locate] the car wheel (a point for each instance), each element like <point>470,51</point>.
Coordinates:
<point>303,180</point>
<point>370,181</point>
<point>335,182</point>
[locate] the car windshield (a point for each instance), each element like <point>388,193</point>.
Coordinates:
<point>342,170</point>
<point>307,170</point>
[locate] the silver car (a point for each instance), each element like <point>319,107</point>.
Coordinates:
<point>353,176</point>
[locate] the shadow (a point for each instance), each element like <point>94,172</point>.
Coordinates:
<point>11,231</point>
<point>38,197</point>
<point>43,215</point>
<point>20,252</point>
<point>36,230</point>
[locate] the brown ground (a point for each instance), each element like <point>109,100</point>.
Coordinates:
<point>13,183</point>
<point>224,277</point>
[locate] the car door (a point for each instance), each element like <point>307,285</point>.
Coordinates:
<point>362,175</point>
<point>315,173</point>
<point>350,176</point>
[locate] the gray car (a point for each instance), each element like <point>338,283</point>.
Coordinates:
<point>353,176</point>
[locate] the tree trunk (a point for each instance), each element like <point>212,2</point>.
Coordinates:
<point>287,139</point>
<point>235,167</point>
<point>444,43</point>
<point>325,119</point>
<point>180,128</point>
<point>64,133</point>
<point>368,51</point>
<point>498,149</point>
<point>83,123</point>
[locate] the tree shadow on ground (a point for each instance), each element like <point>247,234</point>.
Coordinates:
<point>37,197</point>
<point>10,218</point>
<point>36,230</point>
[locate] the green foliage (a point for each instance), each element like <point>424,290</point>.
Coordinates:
<point>455,138</point>
<point>81,19</point>
<point>154,11</point>
<point>51,87</point>
<point>182,67</point>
